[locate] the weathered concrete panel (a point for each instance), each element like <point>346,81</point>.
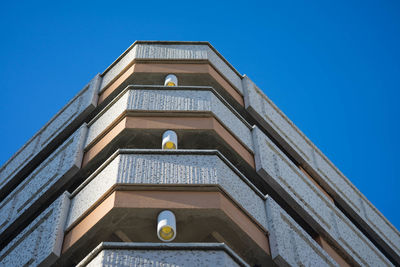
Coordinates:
<point>54,172</point>
<point>181,52</point>
<point>311,203</point>
<point>168,255</point>
<point>262,108</point>
<point>74,111</point>
<point>291,245</point>
<point>166,168</point>
<point>40,242</point>
<point>160,99</point>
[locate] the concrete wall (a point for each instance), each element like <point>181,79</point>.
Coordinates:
<point>160,99</point>
<point>172,52</point>
<point>162,254</point>
<point>290,245</point>
<point>73,112</point>
<point>40,242</point>
<point>311,203</point>
<point>49,176</point>
<point>334,181</point>
<point>179,168</point>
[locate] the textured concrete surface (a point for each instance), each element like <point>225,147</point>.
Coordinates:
<point>84,102</point>
<point>54,172</point>
<point>172,52</point>
<point>311,203</point>
<point>168,169</point>
<point>40,242</point>
<point>161,99</point>
<point>161,254</point>
<point>269,115</point>
<point>291,245</point>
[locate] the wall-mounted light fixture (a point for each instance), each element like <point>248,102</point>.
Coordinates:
<point>169,140</point>
<point>171,80</point>
<point>166,226</point>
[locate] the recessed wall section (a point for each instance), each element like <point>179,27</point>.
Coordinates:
<point>189,74</point>
<point>198,132</point>
<point>211,213</point>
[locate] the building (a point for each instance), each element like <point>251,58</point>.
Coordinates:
<point>245,186</point>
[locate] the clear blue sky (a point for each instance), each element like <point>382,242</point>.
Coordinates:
<point>332,66</point>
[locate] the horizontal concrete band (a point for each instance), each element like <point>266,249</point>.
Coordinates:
<point>71,114</point>
<point>303,195</point>
<point>39,186</point>
<point>39,244</point>
<point>304,151</point>
<point>192,110</point>
<point>165,254</point>
<point>160,99</point>
<point>290,245</point>
<point>140,51</point>
<point>203,71</point>
<point>141,167</point>
<point>199,204</point>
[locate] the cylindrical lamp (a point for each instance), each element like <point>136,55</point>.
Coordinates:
<point>171,80</point>
<point>166,226</point>
<point>169,140</point>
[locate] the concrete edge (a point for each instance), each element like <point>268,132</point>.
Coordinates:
<point>168,152</point>
<point>161,246</point>
<point>170,43</point>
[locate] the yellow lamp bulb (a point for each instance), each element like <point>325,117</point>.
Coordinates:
<point>169,145</point>
<point>170,84</point>
<point>166,232</point>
